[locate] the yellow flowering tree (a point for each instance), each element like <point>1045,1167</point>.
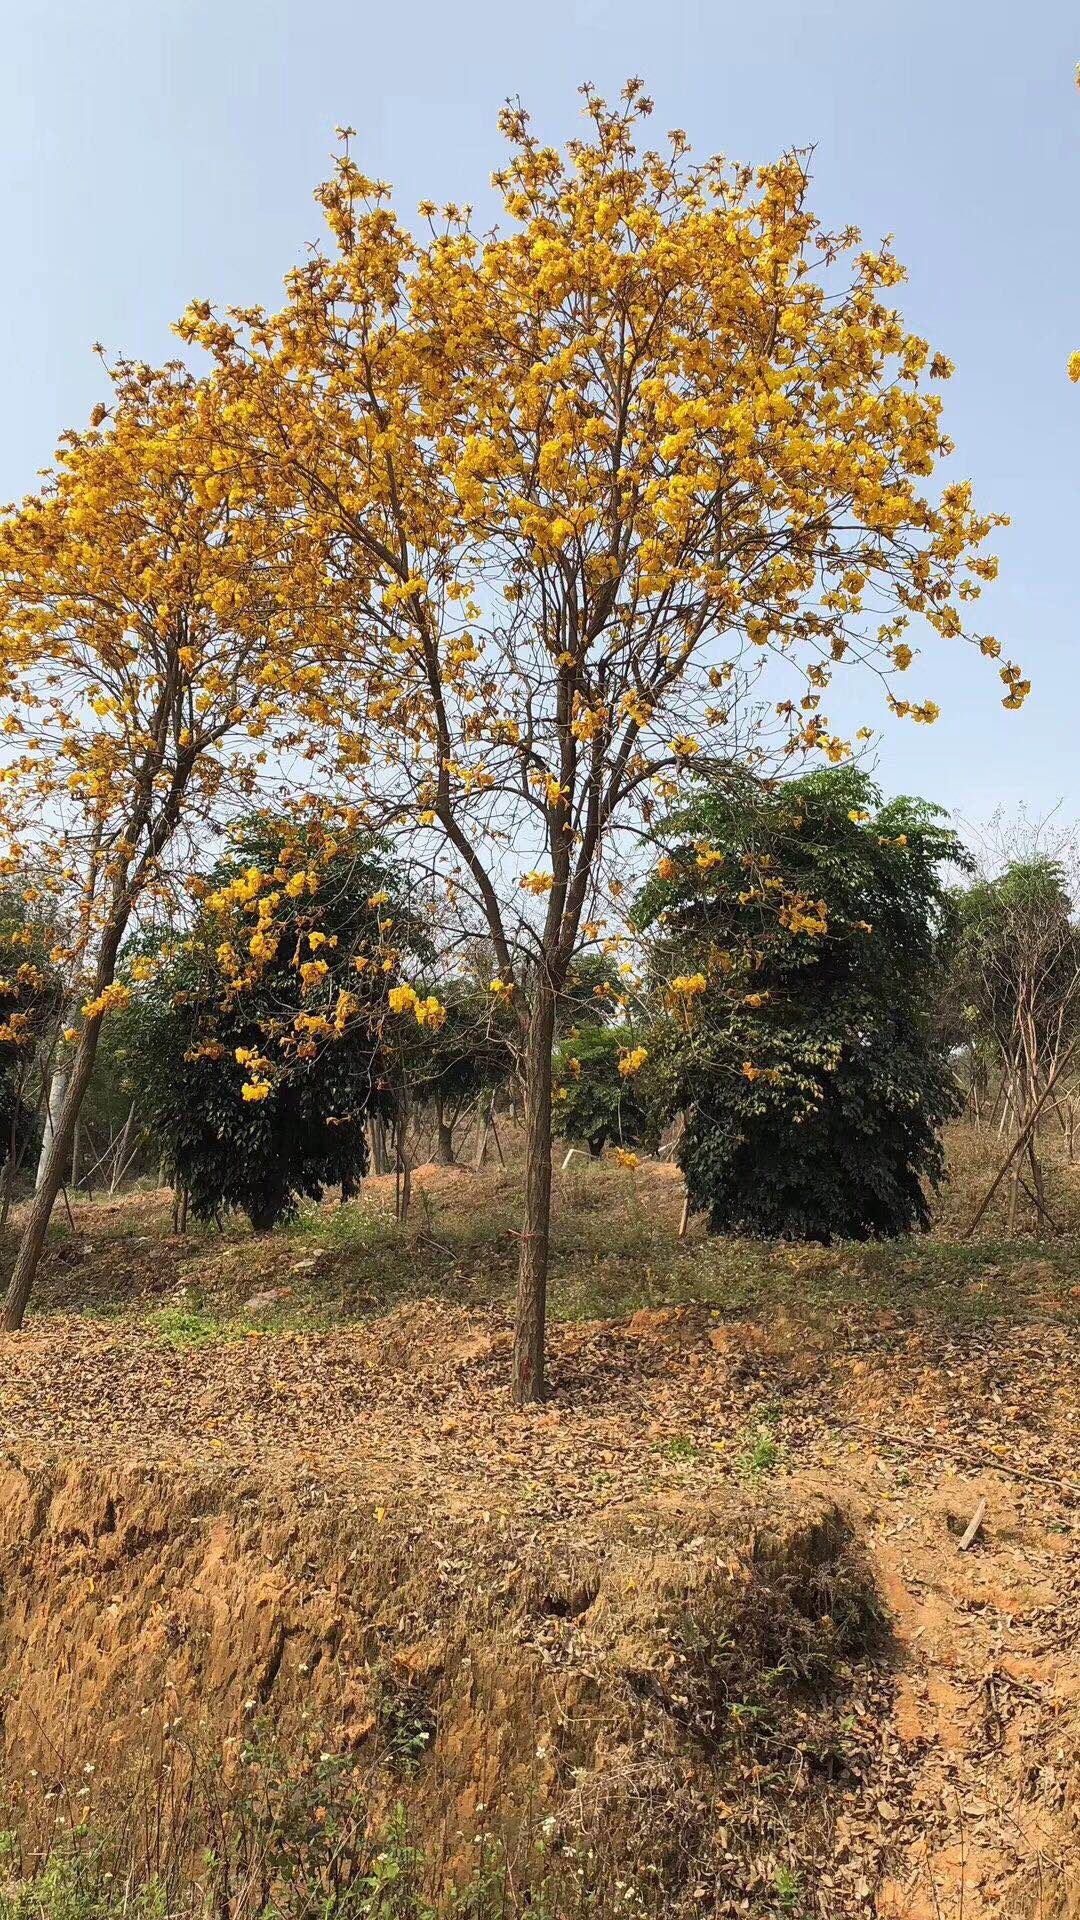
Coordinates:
<point>143,676</point>
<point>606,495</point>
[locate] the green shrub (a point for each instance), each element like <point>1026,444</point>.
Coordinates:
<point>257,1081</point>
<point>799,939</point>
<point>601,1089</point>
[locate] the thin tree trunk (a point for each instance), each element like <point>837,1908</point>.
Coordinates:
<point>51,1178</point>
<point>179,1210</point>
<point>482,1131</point>
<point>1038,1181</point>
<point>5,1189</point>
<point>122,1150</point>
<point>53,1105</point>
<point>1014,1195</point>
<point>377,1145</point>
<point>528,1364</point>
<point>445,1132</point>
<point>1021,1140</point>
<point>402,1164</point>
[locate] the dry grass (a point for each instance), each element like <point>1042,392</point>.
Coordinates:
<point>615,1250</point>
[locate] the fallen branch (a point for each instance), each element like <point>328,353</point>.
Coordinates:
<point>1021,1141</point>
<point>980,1463</point>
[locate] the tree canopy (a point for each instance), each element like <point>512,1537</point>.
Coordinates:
<point>257,1056</point>
<point>798,942</point>
<point>599,1092</point>
<point>149,674</point>
<point>535,524</point>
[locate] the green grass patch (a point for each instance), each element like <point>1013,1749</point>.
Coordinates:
<point>189,1326</point>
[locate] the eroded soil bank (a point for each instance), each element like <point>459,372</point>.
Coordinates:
<point>740,1698</point>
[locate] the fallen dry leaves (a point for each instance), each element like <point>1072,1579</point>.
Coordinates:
<point>975,1777</point>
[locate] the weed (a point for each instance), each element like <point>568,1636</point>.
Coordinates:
<point>187,1324</point>
<point>787,1891</point>
<point>761,1452</point>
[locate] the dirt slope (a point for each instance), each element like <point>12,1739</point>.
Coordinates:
<point>279,1519</point>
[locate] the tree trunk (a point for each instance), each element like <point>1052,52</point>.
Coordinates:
<point>445,1132</point>
<point>402,1163</point>
<point>377,1145</point>
<point>528,1373</point>
<point>1038,1181</point>
<point>482,1131</point>
<point>53,1107</point>
<point>50,1179</point>
<point>55,1162</point>
<point>121,1152</point>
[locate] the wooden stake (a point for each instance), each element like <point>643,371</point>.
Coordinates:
<point>972,1527</point>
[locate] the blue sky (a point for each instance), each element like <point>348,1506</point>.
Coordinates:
<point>151,150</point>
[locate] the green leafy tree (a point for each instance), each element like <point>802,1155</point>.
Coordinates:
<point>601,1089</point>
<point>470,1053</point>
<point>798,938</point>
<point>594,995</point>
<point>257,1056</point>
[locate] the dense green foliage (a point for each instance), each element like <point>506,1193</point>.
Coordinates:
<point>1015,962</point>
<point>798,939</point>
<point>601,1090</point>
<point>593,994</point>
<point>470,1053</point>
<point>193,1034</point>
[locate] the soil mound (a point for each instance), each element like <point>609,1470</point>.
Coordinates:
<point>662,1699</point>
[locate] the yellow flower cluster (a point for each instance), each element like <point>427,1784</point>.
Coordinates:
<point>111,999</point>
<point>427,1013</point>
<point>805,916</point>
<point>687,986</point>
